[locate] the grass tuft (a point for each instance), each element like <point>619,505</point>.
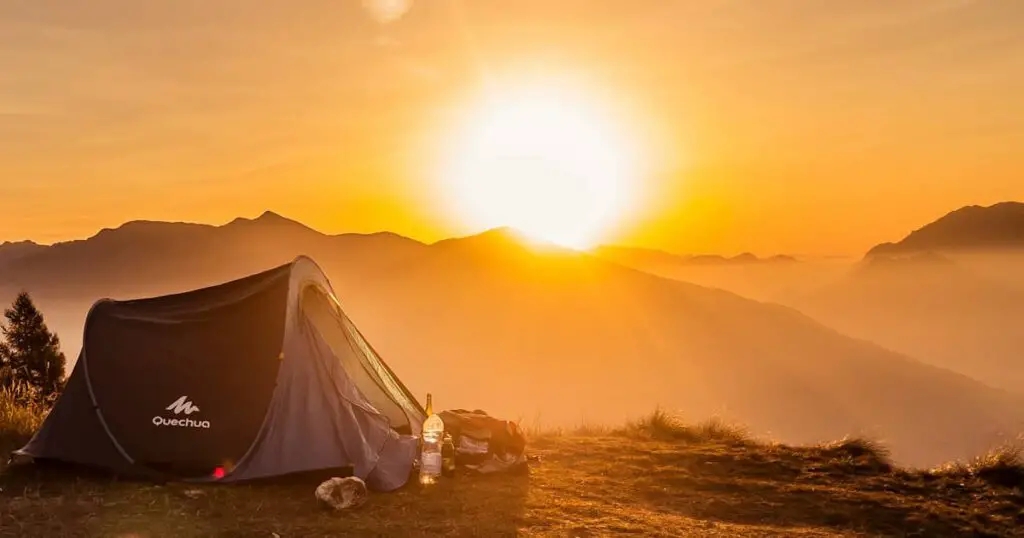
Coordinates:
<point>1003,467</point>
<point>859,447</point>
<point>583,429</point>
<point>860,452</point>
<point>587,429</point>
<point>663,426</point>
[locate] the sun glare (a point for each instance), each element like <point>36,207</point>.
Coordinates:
<point>546,160</point>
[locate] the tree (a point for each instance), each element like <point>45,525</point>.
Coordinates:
<point>29,352</point>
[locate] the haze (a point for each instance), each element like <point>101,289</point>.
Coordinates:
<point>802,217</point>
<point>865,119</point>
<point>925,357</point>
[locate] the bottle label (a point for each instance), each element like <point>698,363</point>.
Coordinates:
<point>431,463</point>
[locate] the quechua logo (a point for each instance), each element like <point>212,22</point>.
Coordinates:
<point>181,406</point>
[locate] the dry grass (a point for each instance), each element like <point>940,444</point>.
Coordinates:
<point>659,425</point>
<point>662,426</point>
<point>20,415</point>
<point>584,429</point>
<point>858,454</point>
<point>655,477</point>
<point>1002,467</point>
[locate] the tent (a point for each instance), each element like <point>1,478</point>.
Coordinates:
<point>259,377</point>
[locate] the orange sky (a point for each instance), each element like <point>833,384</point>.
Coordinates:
<point>784,126</point>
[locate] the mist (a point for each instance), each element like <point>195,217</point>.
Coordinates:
<point>560,338</point>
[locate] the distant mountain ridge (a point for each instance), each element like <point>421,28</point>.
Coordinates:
<point>245,244</point>
<point>999,226</point>
<point>631,255</point>
<point>148,255</point>
<point>10,251</point>
<point>759,278</point>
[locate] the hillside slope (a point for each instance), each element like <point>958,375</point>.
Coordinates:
<point>932,307</point>
<point>998,226</point>
<point>582,486</point>
<point>560,337</point>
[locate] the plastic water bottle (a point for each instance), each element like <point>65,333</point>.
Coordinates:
<point>430,452</point>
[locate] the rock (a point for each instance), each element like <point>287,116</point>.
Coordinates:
<point>341,493</point>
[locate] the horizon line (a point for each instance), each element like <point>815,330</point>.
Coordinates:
<point>269,213</point>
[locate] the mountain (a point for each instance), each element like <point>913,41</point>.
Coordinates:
<point>757,278</point>
<point>951,293</point>
<point>144,258</point>
<point>554,336</point>
<point>1000,226</point>
<point>645,256</point>
<point>11,251</point>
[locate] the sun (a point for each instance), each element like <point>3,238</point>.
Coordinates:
<point>545,159</point>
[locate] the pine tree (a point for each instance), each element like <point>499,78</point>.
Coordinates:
<point>29,352</point>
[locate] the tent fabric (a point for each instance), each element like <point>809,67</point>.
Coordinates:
<point>80,437</point>
<point>259,377</point>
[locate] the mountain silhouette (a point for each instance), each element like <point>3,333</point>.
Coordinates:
<point>999,226</point>
<point>552,335</point>
<point>644,257</point>
<point>757,278</point>
<point>10,251</point>
<point>145,257</point>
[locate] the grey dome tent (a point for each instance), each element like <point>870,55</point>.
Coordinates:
<point>256,378</point>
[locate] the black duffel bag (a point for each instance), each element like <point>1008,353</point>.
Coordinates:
<point>480,438</point>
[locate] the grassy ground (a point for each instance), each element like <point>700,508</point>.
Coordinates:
<point>653,478</point>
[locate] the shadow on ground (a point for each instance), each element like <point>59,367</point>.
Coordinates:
<point>38,500</point>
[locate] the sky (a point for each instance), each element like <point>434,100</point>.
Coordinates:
<point>804,127</point>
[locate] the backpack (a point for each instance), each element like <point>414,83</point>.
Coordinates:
<point>478,436</point>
